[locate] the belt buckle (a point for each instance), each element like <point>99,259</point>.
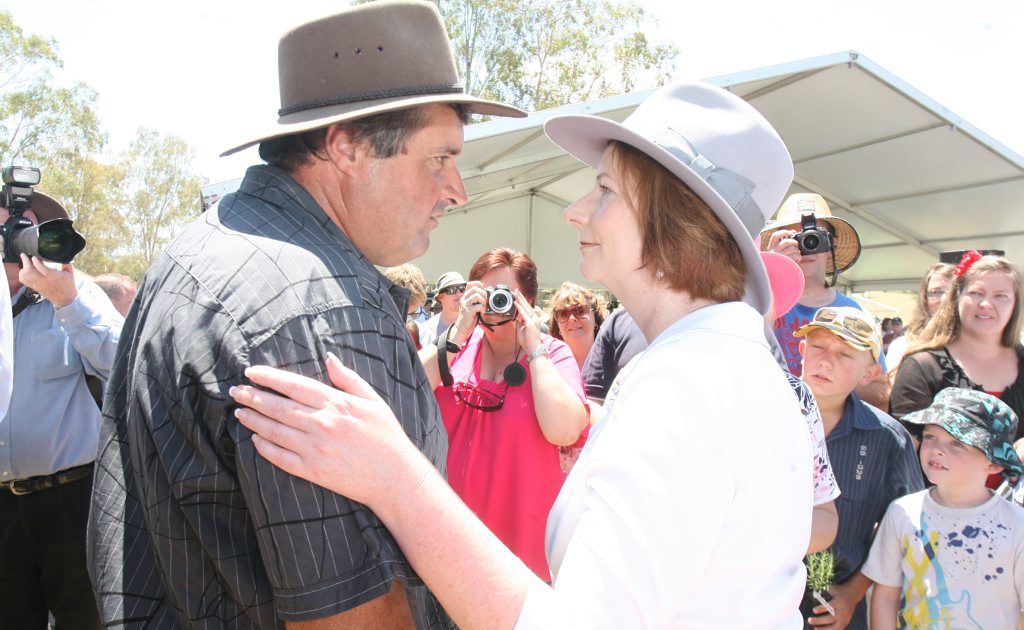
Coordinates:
<point>11,485</point>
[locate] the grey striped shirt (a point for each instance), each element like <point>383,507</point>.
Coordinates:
<point>189,526</point>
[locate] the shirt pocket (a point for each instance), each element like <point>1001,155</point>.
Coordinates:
<point>53,356</point>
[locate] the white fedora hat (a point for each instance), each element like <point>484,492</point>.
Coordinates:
<point>716,144</point>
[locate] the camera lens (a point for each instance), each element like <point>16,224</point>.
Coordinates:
<point>499,301</point>
<point>811,242</point>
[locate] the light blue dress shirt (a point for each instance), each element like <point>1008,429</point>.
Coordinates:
<point>53,422</point>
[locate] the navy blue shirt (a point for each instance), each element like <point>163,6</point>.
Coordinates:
<point>874,461</point>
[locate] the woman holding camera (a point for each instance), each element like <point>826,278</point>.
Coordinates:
<point>514,399</point>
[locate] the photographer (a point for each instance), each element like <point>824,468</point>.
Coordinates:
<point>65,335</point>
<point>512,402</point>
<point>824,246</point>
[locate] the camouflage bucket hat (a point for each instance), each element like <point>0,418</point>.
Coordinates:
<point>976,419</point>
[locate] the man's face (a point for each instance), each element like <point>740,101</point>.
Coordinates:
<point>12,269</point>
<point>815,266</point>
<point>450,298</point>
<point>393,203</point>
<point>832,368</point>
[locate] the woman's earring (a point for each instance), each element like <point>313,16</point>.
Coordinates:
<point>659,274</point>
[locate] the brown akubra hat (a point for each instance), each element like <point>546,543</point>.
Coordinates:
<point>368,59</point>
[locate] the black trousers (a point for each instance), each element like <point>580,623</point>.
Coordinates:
<point>42,559</point>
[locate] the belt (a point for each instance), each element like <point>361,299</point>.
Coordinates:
<point>20,487</point>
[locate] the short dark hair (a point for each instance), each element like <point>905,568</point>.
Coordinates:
<point>387,133</point>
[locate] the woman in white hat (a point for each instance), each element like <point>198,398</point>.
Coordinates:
<point>691,504</point>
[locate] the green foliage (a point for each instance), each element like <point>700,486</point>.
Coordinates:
<point>128,208</point>
<point>821,570</point>
<point>162,195</point>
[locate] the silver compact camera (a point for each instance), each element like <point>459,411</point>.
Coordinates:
<point>501,301</point>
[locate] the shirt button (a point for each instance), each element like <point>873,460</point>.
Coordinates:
<point>2,443</point>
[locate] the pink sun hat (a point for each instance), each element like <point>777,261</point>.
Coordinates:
<point>786,280</point>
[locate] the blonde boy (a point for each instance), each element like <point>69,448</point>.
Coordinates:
<point>953,556</point>
<point>872,455</point>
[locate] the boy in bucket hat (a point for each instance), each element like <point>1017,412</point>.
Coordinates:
<point>189,526</point>
<point>872,455</point>
<point>952,556</point>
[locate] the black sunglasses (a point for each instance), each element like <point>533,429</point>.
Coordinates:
<point>455,288</point>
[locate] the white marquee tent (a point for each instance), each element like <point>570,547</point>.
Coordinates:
<point>911,176</point>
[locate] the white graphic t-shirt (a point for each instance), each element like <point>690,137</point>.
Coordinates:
<point>957,568</point>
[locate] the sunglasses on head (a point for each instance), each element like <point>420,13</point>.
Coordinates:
<point>455,288</point>
<point>849,322</point>
<point>579,312</point>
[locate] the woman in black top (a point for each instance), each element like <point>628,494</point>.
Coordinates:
<point>973,341</point>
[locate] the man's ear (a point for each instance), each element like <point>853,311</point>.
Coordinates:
<point>341,150</point>
<point>802,347</point>
<point>871,373</point>
<point>994,468</point>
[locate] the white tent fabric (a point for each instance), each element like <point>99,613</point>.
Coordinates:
<point>911,176</point>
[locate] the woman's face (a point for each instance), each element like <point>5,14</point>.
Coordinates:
<point>610,241</point>
<point>494,277</point>
<point>576,323</point>
<point>986,303</point>
<point>938,285</point>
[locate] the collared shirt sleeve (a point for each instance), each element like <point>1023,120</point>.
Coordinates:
<point>94,328</point>
<point>325,554</point>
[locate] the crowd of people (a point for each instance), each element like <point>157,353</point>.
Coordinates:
<point>286,424</point>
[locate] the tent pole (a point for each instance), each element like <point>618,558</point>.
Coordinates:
<point>529,228</point>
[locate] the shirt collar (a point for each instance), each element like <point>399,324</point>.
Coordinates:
<point>856,415</point>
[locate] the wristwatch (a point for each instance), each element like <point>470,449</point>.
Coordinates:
<point>541,351</point>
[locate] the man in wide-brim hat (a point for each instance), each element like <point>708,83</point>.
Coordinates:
<point>820,270</point>
<point>190,526</point>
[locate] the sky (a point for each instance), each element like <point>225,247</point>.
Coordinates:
<point>207,71</point>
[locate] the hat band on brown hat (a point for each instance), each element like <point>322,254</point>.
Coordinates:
<point>423,90</point>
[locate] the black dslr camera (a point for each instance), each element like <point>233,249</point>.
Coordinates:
<point>500,301</point>
<point>53,240</point>
<point>812,239</point>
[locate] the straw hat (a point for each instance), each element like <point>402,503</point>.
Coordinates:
<point>715,143</point>
<point>847,242</point>
<point>368,59</point>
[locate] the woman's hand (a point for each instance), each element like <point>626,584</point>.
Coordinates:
<point>472,304</point>
<point>346,439</point>
<point>529,324</point>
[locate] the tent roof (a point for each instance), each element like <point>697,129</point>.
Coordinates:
<point>910,175</point>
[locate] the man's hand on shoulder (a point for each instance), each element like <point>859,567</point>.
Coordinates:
<point>55,285</point>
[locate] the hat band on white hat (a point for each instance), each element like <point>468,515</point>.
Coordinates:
<point>735,189</point>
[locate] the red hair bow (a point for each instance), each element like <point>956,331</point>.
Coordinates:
<point>966,262</point>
